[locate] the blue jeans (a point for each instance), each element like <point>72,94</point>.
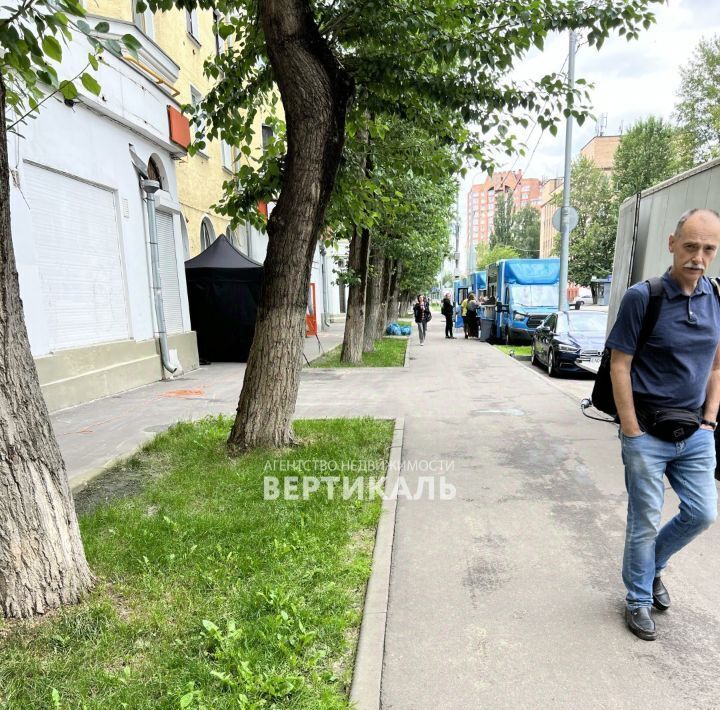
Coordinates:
<point>690,468</point>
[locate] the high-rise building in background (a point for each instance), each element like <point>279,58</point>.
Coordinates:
<point>482,202</point>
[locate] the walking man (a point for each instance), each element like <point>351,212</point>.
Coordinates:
<point>667,394</point>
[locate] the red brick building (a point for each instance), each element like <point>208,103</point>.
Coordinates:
<point>481,202</point>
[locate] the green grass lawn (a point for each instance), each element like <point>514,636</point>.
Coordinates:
<point>389,352</point>
<point>519,349</point>
<point>208,596</point>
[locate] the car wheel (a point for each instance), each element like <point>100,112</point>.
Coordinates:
<point>552,370</point>
<point>507,336</point>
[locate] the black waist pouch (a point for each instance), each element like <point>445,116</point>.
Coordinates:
<point>668,424</point>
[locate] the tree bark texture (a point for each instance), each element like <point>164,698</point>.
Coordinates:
<point>315,92</point>
<point>355,318</point>
<point>373,299</point>
<point>383,320</point>
<point>42,561</point>
<point>394,305</point>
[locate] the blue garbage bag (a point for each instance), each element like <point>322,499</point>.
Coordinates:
<point>393,329</point>
<point>405,330</point>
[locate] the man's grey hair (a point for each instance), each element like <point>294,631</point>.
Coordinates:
<point>685,216</point>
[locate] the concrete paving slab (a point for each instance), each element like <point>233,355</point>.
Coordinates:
<point>94,435</point>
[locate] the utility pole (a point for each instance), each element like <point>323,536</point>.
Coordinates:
<point>565,213</point>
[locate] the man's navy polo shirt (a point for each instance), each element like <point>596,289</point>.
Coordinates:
<point>672,369</point>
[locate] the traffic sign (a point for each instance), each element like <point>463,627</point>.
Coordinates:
<point>572,218</point>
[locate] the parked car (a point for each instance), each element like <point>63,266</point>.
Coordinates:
<point>564,339</point>
<point>584,296</point>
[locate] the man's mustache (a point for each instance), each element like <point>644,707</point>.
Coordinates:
<point>690,265</point>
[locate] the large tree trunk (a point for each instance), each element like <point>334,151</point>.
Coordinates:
<point>373,298</point>
<point>42,562</point>
<point>352,347</point>
<point>383,320</point>
<point>394,305</point>
<point>315,92</point>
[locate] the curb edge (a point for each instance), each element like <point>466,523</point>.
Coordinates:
<point>367,673</point>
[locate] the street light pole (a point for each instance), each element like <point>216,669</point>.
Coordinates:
<point>565,213</point>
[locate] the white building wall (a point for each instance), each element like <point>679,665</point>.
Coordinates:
<point>333,251</point>
<point>87,142</point>
<point>80,152</point>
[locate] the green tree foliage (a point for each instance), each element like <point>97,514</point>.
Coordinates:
<point>646,156</point>
<point>698,106</point>
<point>419,238</point>
<point>525,236</point>
<point>503,220</point>
<point>33,38</point>
<point>486,254</point>
<point>442,65</point>
<point>592,242</point>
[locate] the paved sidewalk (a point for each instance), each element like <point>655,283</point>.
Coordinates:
<point>507,597</point>
<point>95,434</point>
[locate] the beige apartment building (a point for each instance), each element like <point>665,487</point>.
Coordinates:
<point>599,150</point>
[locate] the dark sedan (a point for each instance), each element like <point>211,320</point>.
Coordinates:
<point>563,339</point>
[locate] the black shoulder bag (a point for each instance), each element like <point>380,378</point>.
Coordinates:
<point>602,394</point>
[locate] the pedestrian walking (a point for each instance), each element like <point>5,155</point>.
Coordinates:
<point>448,310</point>
<point>666,387</point>
<point>421,309</point>
<point>472,323</point>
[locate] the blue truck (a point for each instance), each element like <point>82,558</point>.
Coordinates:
<point>474,283</point>
<point>521,294</point>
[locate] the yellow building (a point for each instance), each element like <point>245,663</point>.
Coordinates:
<point>599,150</point>
<point>189,38</point>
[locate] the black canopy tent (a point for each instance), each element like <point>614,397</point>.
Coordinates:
<point>223,292</point>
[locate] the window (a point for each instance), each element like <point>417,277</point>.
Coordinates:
<point>219,41</point>
<point>207,234</point>
<point>198,124</point>
<point>267,134</point>
<point>191,24</point>
<point>154,172</point>
<point>226,153</point>
<point>142,20</point>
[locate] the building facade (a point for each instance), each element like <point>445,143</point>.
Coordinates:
<point>81,232</point>
<point>481,201</point>
<point>548,199</point>
<point>599,150</point>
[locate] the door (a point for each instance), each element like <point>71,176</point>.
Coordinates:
<point>172,305</point>
<point>77,245</point>
<point>547,335</point>
<point>311,315</point>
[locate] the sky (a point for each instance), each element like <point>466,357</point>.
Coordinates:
<point>632,80</point>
